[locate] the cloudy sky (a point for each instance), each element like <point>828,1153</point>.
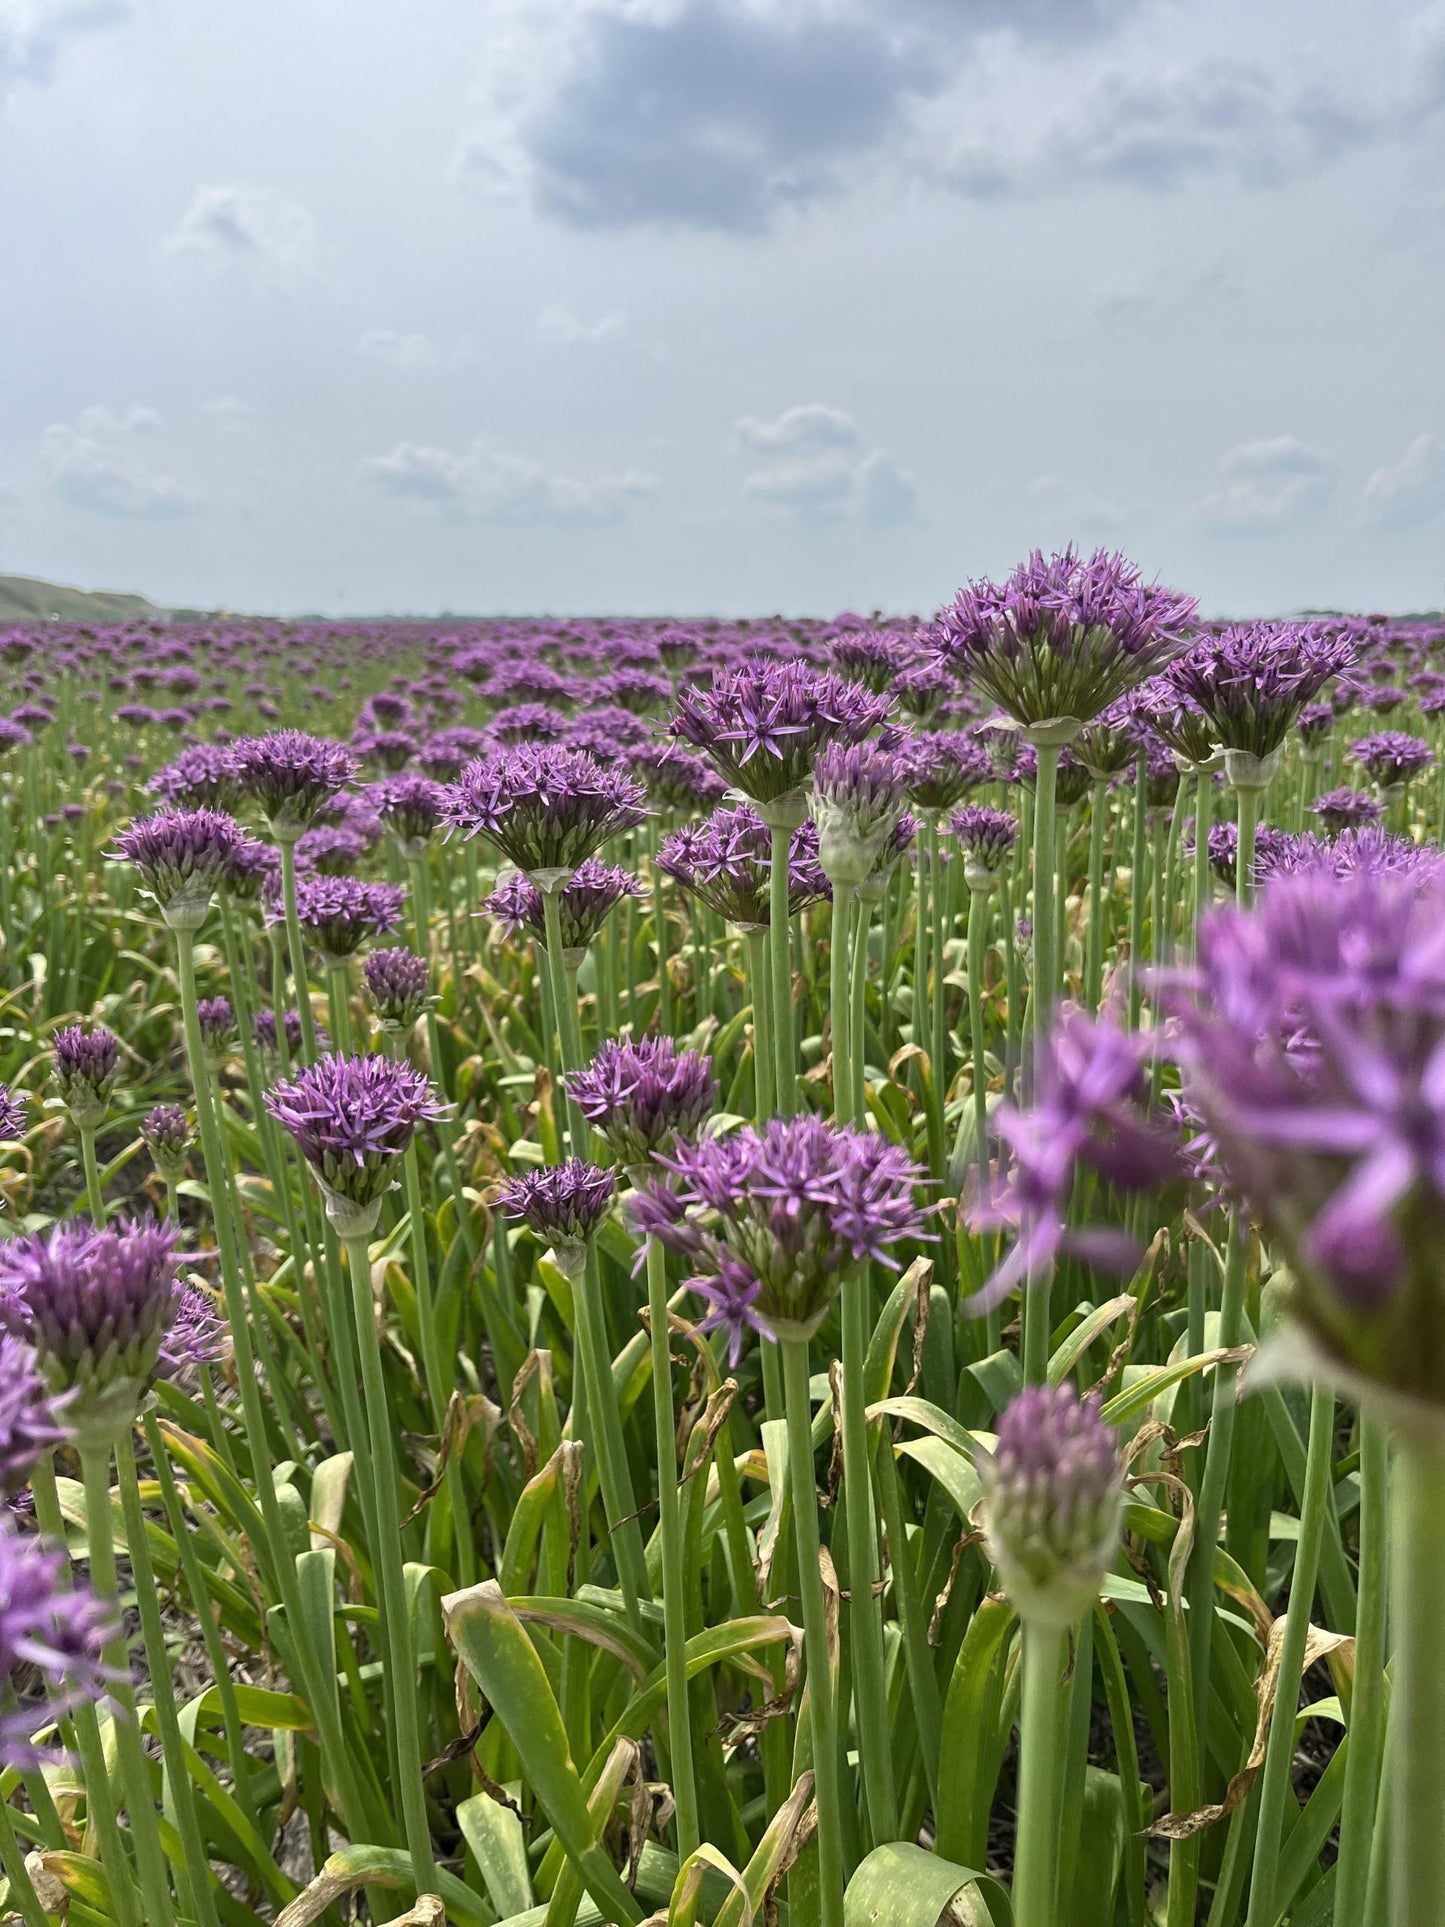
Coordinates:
<point>733,305</point>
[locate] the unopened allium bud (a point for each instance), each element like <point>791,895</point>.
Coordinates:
<point>167,1137</point>
<point>858,793</point>
<point>397,984</point>
<point>986,840</point>
<point>352,1119</point>
<point>1053,1504</point>
<point>87,1063</point>
<point>217,1021</point>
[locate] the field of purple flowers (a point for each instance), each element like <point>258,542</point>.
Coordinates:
<point>725,1272</point>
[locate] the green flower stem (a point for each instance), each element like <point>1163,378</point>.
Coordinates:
<point>232,1732</point>
<point>339,987</point>
<point>1013,977</point>
<point>387,1554</point>
<point>421,901</point>
<point>1045,986</point>
<point>297,951</point>
<point>978,921</point>
<point>275,1552</point>
<point>1367,1702</point>
<point>1274,1782</point>
<point>102,1813</point>
<point>885,967</point>
<point>659,929</point>
<point>438,1385</point>
<point>179,1792</point>
<point>840,1008</point>
<point>130,1755</point>
<point>821,1708</point>
<point>1249,800</point>
<point>1040,1760</point>
<point>1138,890</point>
<point>858,1014</point>
<point>1417,1697</point>
<point>1094,956</point>
<point>938,1025</point>
<point>1210,1499</point>
<point>780,930</point>
<point>1203,875</point>
<point>674,1577</point>
<point>764,1056</point>
<point>94,1197</point>
<point>12,1859</point>
<point>568,1037</point>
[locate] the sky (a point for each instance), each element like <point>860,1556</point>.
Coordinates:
<point>720,306</point>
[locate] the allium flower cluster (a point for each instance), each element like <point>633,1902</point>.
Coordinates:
<point>291,775</point>
<point>676,778</point>
<point>1313,1046</point>
<point>1390,758</point>
<point>772,1221</point>
<point>547,809</point>
<point>563,1204</point>
<point>1313,725</point>
<point>726,863</point>
<point>217,1021</point>
<point>167,1137</point>
<point>398,983</point>
<point>1178,721</point>
<point>641,1097</point>
<point>1371,849</point>
<point>1110,743</point>
<point>986,840</point>
<point>201,778</point>
<point>1252,683</point>
<point>871,657</point>
<point>45,1624</point>
<point>352,1118</point>
<point>413,808</point>
<point>763,726</point>
<point>1347,809</point>
<point>87,1064</point>
<point>30,1413</point>
<point>1053,1495</point>
<point>942,766</point>
<point>97,1305</point>
<point>12,1114</point>
<point>183,856</point>
<point>339,914</point>
<point>584,903</point>
<point>1089,1110</point>
<point>1062,638</point>
<point>857,803</point>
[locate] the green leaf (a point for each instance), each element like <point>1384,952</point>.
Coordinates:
<point>900,1885</point>
<point>970,1743</point>
<point>494,1834</point>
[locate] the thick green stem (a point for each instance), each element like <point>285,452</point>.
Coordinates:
<point>438,1384</point>
<point>1244,857</point>
<point>938,1025</point>
<point>1094,961</point>
<point>1216,1466</point>
<point>840,1008</point>
<point>1036,1847</point>
<point>1138,890</point>
<point>94,1197</point>
<point>1417,1695</point>
<point>674,1578</point>
<point>1367,1701</point>
<point>130,1755</point>
<point>180,1793</point>
<point>1046,984</point>
<point>780,932</point>
<point>340,975</point>
<point>387,1554</point>
<point>764,1054</point>
<point>821,1707</point>
<point>297,950</point>
<point>1274,1784</point>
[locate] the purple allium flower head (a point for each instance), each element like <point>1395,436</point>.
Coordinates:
<point>12,1114</point>
<point>1313,725</point>
<point>13,735</point>
<point>1391,758</point>
<point>792,1209</point>
<point>545,808</point>
<point>922,688</point>
<point>31,1417</point>
<point>87,1064</point>
<point>942,766</point>
<point>763,726</point>
<point>726,863</point>
<point>676,778</point>
<point>1109,745</point>
<point>1178,722</point>
<point>352,1118</point>
<point>182,856</point>
<point>1253,681</point>
<point>564,1204</point>
<point>96,1304</point>
<point>291,775</point>
<point>201,778</point>
<point>857,800</point>
<point>1313,1045</point>
<point>195,1335</point>
<point>45,1624</point>
<point>217,1021</point>
<point>1347,809</point>
<point>339,914</point>
<point>1053,1503</point>
<point>1063,637</point>
<point>413,808</point>
<point>393,749</point>
<point>900,839</point>
<point>398,983</point>
<point>1371,848</point>
<point>1270,846</point>
<point>986,839</point>
<point>264,1025</point>
<point>641,1097</point>
<point>1088,1110</point>
<point>330,849</point>
<point>167,1136</point>
<point>250,863</point>
<point>871,657</point>
<point>584,902</point>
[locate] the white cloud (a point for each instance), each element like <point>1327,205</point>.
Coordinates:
<point>33,33</point>
<point>809,429</point>
<point>1269,485</point>
<point>229,411</point>
<point>251,227</point>
<point>411,354</point>
<point>560,323</point>
<point>1074,510</point>
<point>91,464</point>
<point>491,484</point>
<point>1409,492</point>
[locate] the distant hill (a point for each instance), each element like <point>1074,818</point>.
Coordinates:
<point>24,598</point>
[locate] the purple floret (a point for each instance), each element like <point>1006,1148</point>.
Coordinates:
<point>640,1097</point>
<point>291,775</point>
<point>584,902</point>
<point>762,726</point>
<point>352,1118</point>
<point>547,809</point>
<point>44,1624</point>
<point>565,1204</point>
